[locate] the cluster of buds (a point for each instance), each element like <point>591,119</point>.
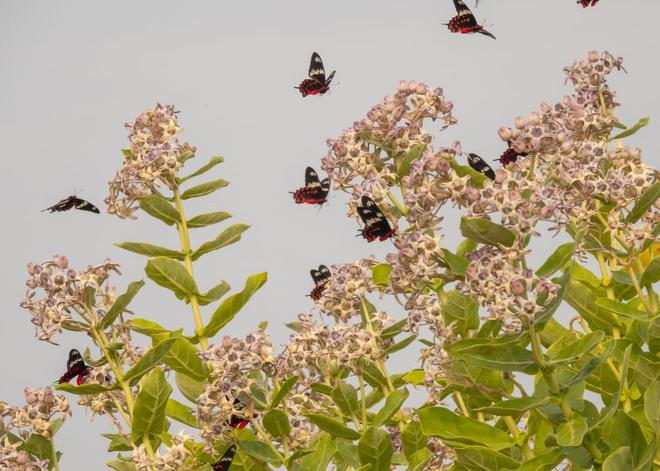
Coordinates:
<point>153,157</point>
<point>415,265</point>
<point>171,458</point>
<point>65,293</point>
<point>349,281</point>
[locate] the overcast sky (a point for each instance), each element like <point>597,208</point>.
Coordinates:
<point>73,72</point>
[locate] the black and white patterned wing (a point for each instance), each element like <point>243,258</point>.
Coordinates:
<point>373,217</point>
<point>75,364</point>
<point>321,275</point>
<point>225,461</point>
<point>480,165</point>
<point>325,187</point>
<point>85,206</point>
<point>316,70</point>
<point>311,178</point>
<point>63,205</point>
<point>466,18</point>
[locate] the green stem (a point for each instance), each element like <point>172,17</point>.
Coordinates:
<point>532,166</point>
<point>149,448</point>
<point>594,451</point>
<point>363,402</point>
<point>402,209</point>
<point>635,283</point>
<point>184,236</point>
<point>459,400</point>
<point>264,436</point>
<point>53,453</point>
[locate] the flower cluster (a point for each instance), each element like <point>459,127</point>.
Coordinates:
<point>415,265</point>
<point>65,292</point>
<point>153,157</point>
<point>228,395</point>
<point>349,281</point>
<point>13,458</point>
<point>172,458</point>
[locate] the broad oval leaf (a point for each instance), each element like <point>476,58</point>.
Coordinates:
<point>400,345</point>
<point>375,448</point>
<point>213,294</point>
<point>393,404</point>
<point>333,427</point>
<point>204,189</point>
<point>515,406</point>
<point>150,358</point>
<point>120,304</point>
<point>560,257</point>
<point>207,219</point>
<point>548,310</point>
<point>457,264</point>
<point>172,275</point>
<point>652,408</point>
<point>346,398</point>
<point>381,274</point>
<point>645,201</point>
<point>190,388</point>
<point>620,460</point>
<point>158,207</point>
<point>503,358</point>
<point>418,460</point>
<point>607,413</point>
<point>652,273</point>
<point>545,462</point>
<point>259,450</point>
<point>233,304</point>
<point>283,390</point>
<point>150,250</point>
<point>86,388</point>
<point>576,348</point>
<point>277,423</point>
<point>181,413</point>
<point>229,236</point>
<point>183,358</point>
<point>215,160</point>
<point>462,310</point>
<point>483,458</point>
<point>441,422</point>
<point>413,154</point>
<point>571,432</point>
<point>318,460</point>
<point>147,327</point>
<point>486,232</point>
<point>150,404</point>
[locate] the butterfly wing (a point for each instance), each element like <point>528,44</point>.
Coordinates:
<point>75,366</point>
<point>321,275</point>
<point>330,77</point>
<point>311,178</point>
<point>85,205</point>
<point>480,165</point>
<point>325,188</point>
<point>63,205</point>
<point>464,17</point>
<point>375,222</point>
<point>225,461</point>
<point>316,69</point>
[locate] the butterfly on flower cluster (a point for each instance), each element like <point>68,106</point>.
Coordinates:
<point>321,278</point>
<point>376,225</point>
<point>480,165</point>
<point>314,191</point>
<point>75,368</point>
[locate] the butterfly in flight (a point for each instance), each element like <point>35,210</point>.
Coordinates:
<point>510,155</point>
<point>587,3</point>
<point>317,83</point>
<point>225,462</point>
<point>321,278</point>
<point>464,21</point>
<point>73,202</point>
<point>314,191</point>
<point>480,165</point>
<point>376,225</point>
<point>75,366</point>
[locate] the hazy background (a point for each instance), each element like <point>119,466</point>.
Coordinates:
<point>73,72</point>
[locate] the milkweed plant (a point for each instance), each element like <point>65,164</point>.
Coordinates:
<point>506,383</point>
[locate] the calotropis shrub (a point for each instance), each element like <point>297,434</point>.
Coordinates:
<point>508,383</point>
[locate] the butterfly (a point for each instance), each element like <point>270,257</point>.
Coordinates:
<point>510,155</point>
<point>464,21</point>
<point>73,202</point>
<point>480,165</point>
<point>314,192</point>
<point>225,462</point>
<point>587,3</point>
<point>321,278</point>
<point>75,366</point>
<point>376,225</point>
<point>317,83</point>
<point>235,421</point>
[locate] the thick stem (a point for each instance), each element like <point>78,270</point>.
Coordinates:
<point>53,453</point>
<point>459,400</point>
<point>635,283</point>
<point>182,227</point>
<point>363,402</point>
<point>264,436</point>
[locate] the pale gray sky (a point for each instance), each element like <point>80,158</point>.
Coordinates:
<point>74,71</point>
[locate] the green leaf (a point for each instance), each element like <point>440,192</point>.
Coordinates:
<point>548,310</point>
<point>560,257</point>
<point>346,398</point>
<point>118,442</point>
<point>213,294</point>
<point>158,207</point>
<point>172,275</point>
<point>620,460</point>
<point>622,309</point>
<point>461,309</point>
<point>277,423</point>
<point>375,448</point>
<point>38,446</point>
<point>322,389</point>
<point>631,130</point>
<point>576,348</point>
<point>318,460</point>
<point>348,451</point>
<point>652,408</point>
<point>190,388</point>
<point>654,335</point>
<point>394,330</point>
<point>181,413</point>
<point>417,462</point>
<point>645,201</point>
<point>381,274</point>
<point>150,358</point>
<point>207,219</point>
<point>215,160</point>
<point>392,405</point>
<point>477,178</point>
<point>333,426</point>
<point>150,250</point>
<point>545,462</point>
<point>229,236</point>
<point>607,413</point>
<point>182,358</point>
<point>414,377</point>
<point>503,358</point>
<point>513,407</point>
<point>204,189</point>
<point>580,298</point>
<point>485,459</point>
<point>401,345</point>
<point>120,304</point>
<point>283,390</point>
<point>118,465</point>
<point>571,432</point>
<point>486,232</point>
<point>413,439</point>
<point>150,404</point>
<point>147,327</point>
<point>441,422</point>
<point>413,154</point>
<point>651,274</point>
<point>86,388</point>
<point>230,306</point>
<point>89,294</point>
<point>456,263</point>
<point>259,450</point>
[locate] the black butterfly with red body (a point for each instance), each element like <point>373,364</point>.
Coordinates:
<point>73,202</point>
<point>321,278</point>
<point>317,83</point>
<point>75,366</point>
<point>465,22</point>
<point>480,165</point>
<point>587,3</point>
<point>235,421</point>
<point>225,462</point>
<point>314,191</point>
<point>510,155</point>
<point>376,225</point>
